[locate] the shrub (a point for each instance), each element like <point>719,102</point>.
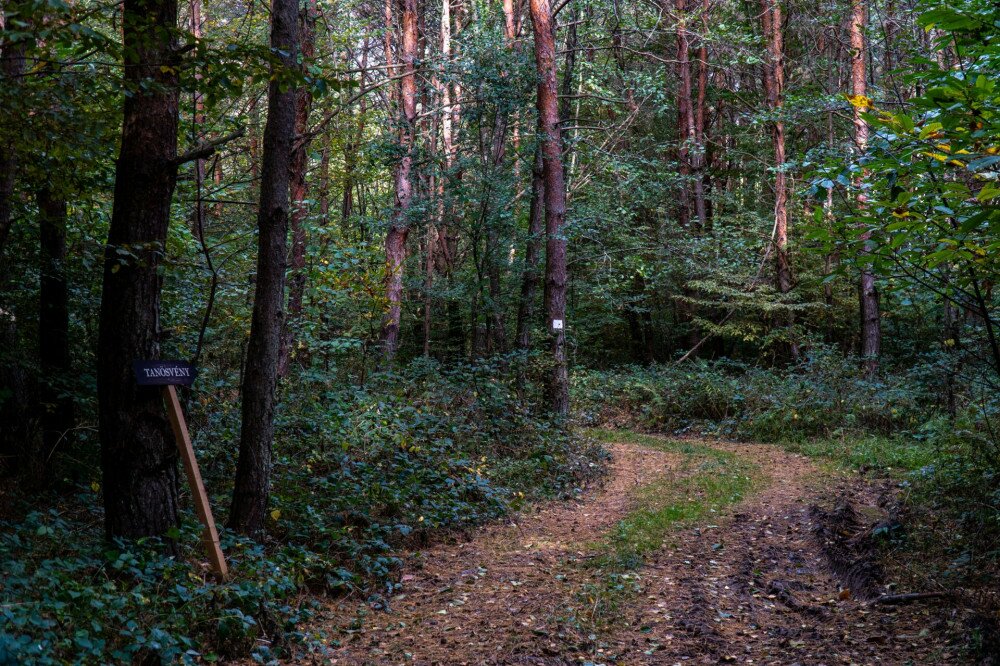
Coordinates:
<point>359,473</point>
<point>821,396</point>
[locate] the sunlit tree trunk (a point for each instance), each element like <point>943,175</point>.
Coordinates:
<point>253,469</point>
<point>138,455</point>
<point>871,321</point>
<point>399,226</point>
<point>555,203</point>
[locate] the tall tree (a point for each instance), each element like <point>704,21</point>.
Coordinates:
<point>56,402</point>
<point>699,157</point>
<point>399,225</point>
<point>530,277</point>
<point>556,276</point>
<point>16,437</point>
<point>138,457</point>
<point>11,69</point>
<point>685,113</point>
<point>774,92</point>
<point>299,189</point>
<point>871,321</point>
<point>253,469</point>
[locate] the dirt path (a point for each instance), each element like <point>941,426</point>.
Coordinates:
<point>753,588</point>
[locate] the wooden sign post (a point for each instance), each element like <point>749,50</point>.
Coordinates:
<point>169,374</point>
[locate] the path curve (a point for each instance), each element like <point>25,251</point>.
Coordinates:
<point>489,599</point>
<point>753,588</point>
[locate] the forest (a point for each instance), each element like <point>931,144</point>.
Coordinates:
<point>499,332</point>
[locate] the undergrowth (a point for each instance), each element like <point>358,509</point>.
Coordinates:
<point>360,473</point>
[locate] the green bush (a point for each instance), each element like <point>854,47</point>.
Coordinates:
<point>822,396</point>
<point>67,596</point>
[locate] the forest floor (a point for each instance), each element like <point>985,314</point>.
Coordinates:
<point>714,573</point>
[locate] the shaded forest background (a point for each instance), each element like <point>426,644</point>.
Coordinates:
<point>765,221</point>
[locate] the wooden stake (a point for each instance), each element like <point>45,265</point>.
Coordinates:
<point>210,537</point>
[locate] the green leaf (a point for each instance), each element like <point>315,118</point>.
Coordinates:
<point>983,162</point>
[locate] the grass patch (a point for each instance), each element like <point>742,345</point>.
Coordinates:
<point>707,481</point>
<point>892,456</point>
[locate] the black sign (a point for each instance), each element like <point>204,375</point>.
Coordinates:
<point>162,373</point>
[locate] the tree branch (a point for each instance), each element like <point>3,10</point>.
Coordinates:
<point>207,149</point>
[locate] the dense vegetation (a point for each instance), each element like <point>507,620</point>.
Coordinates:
<point>416,250</point>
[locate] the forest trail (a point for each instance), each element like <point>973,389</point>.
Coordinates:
<point>749,585</point>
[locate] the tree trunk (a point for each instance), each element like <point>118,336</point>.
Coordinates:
<point>555,203</point>
<point>399,227</point>
<point>11,68</point>
<point>17,436</point>
<point>871,320</point>
<point>536,229</point>
<point>56,403</point>
<point>299,191</point>
<point>195,22</point>
<point>774,84</point>
<point>138,456</point>
<point>699,158</point>
<point>685,120</point>
<point>253,470</point>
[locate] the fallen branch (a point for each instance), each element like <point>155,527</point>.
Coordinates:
<point>896,599</point>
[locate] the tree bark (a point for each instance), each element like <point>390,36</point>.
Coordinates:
<point>699,157</point>
<point>685,119</point>
<point>253,469</point>
<point>56,403</point>
<point>774,85</point>
<point>138,456</point>
<point>871,320</point>
<point>195,24</point>
<point>399,226</point>
<point>299,191</point>
<point>530,277</point>
<point>555,203</point>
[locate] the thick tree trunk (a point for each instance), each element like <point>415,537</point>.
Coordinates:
<point>555,203</point>
<point>253,470</point>
<point>56,403</point>
<point>138,456</point>
<point>871,320</point>
<point>399,227</point>
<point>299,192</point>
<point>536,230</point>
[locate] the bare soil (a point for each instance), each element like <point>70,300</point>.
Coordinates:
<point>768,583</point>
